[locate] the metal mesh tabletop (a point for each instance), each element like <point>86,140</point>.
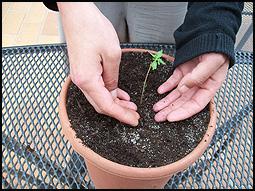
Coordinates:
<point>36,155</point>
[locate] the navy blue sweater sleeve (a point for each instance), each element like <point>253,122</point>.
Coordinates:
<point>208,27</point>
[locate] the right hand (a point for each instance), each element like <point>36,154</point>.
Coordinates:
<point>94,54</point>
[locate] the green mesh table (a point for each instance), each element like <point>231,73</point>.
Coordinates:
<point>36,155</point>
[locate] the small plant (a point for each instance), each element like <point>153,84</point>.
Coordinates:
<point>156,61</point>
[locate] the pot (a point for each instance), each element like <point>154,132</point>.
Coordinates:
<point>108,174</point>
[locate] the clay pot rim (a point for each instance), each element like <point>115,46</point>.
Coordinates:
<point>128,171</point>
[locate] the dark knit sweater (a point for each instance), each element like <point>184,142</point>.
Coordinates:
<point>207,27</point>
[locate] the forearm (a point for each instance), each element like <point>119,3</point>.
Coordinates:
<point>78,20</point>
<point>208,27</point>
<point>76,16</point>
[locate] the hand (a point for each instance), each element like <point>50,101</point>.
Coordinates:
<point>94,55</point>
<point>197,80</point>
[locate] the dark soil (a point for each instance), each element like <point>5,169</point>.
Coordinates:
<point>150,144</point>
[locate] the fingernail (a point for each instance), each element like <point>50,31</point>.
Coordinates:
<point>155,107</point>
<point>183,89</point>
<point>171,117</point>
<point>158,106</point>
<point>137,116</point>
<point>160,90</point>
<point>159,118</point>
<point>136,123</point>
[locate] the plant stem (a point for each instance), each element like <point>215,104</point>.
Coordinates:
<point>144,84</point>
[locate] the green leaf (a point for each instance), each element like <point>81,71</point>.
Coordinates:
<point>154,65</point>
<point>159,54</point>
<point>157,59</point>
<point>162,62</point>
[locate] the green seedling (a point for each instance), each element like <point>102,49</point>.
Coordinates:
<point>156,61</point>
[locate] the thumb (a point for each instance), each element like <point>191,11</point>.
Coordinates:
<point>209,64</point>
<point>111,62</point>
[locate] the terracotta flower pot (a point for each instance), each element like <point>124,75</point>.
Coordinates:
<point>107,174</point>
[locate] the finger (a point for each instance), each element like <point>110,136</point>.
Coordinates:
<point>162,114</point>
<point>111,61</point>
<point>123,114</point>
<point>123,95</point>
<point>171,97</point>
<point>197,103</point>
<point>126,104</point>
<point>201,98</point>
<point>114,94</point>
<point>103,99</point>
<point>215,81</point>
<point>206,68</point>
<point>171,82</point>
<point>90,100</point>
<point>220,75</point>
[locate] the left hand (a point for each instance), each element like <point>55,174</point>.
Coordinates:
<point>197,81</point>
